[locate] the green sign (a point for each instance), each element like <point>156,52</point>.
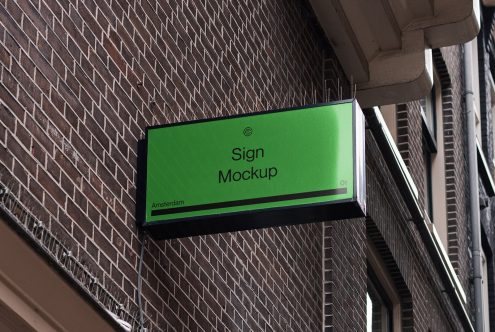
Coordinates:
<point>211,172</point>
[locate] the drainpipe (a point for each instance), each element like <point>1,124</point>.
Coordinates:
<point>474,205</point>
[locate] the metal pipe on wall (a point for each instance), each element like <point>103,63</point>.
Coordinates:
<point>474,206</point>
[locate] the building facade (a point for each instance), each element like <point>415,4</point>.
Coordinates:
<point>81,81</point>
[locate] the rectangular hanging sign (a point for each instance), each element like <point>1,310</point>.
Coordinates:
<point>259,170</point>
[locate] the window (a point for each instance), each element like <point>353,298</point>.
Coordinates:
<point>430,109</point>
<point>434,160</point>
<point>382,301</point>
<point>427,180</point>
<point>379,310</point>
<point>429,116</point>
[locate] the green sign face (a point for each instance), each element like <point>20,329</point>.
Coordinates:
<point>249,164</point>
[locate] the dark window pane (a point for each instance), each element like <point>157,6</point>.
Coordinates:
<point>378,308</point>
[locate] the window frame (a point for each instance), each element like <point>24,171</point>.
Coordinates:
<point>434,159</point>
<point>382,282</point>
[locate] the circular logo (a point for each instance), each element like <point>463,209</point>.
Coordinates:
<point>248,131</point>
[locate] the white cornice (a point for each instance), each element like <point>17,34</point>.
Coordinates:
<point>381,44</point>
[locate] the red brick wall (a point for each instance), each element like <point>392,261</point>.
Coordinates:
<point>456,170</point>
<point>80,80</point>
<point>424,304</point>
<point>448,63</point>
<point>345,275</point>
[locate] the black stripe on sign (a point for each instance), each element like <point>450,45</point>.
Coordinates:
<point>249,201</point>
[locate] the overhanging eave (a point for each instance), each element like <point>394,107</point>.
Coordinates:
<point>381,43</point>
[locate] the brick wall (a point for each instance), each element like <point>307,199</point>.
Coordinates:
<point>487,204</point>
<point>485,40</point>
<point>456,171</point>
<point>448,63</point>
<point>391,230</point>
<point>410,143</point>
<point>345,275</point>
<point>344,243</point>
<point>485,99</point>
<point>395,235</point>
<point>80,80</point>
